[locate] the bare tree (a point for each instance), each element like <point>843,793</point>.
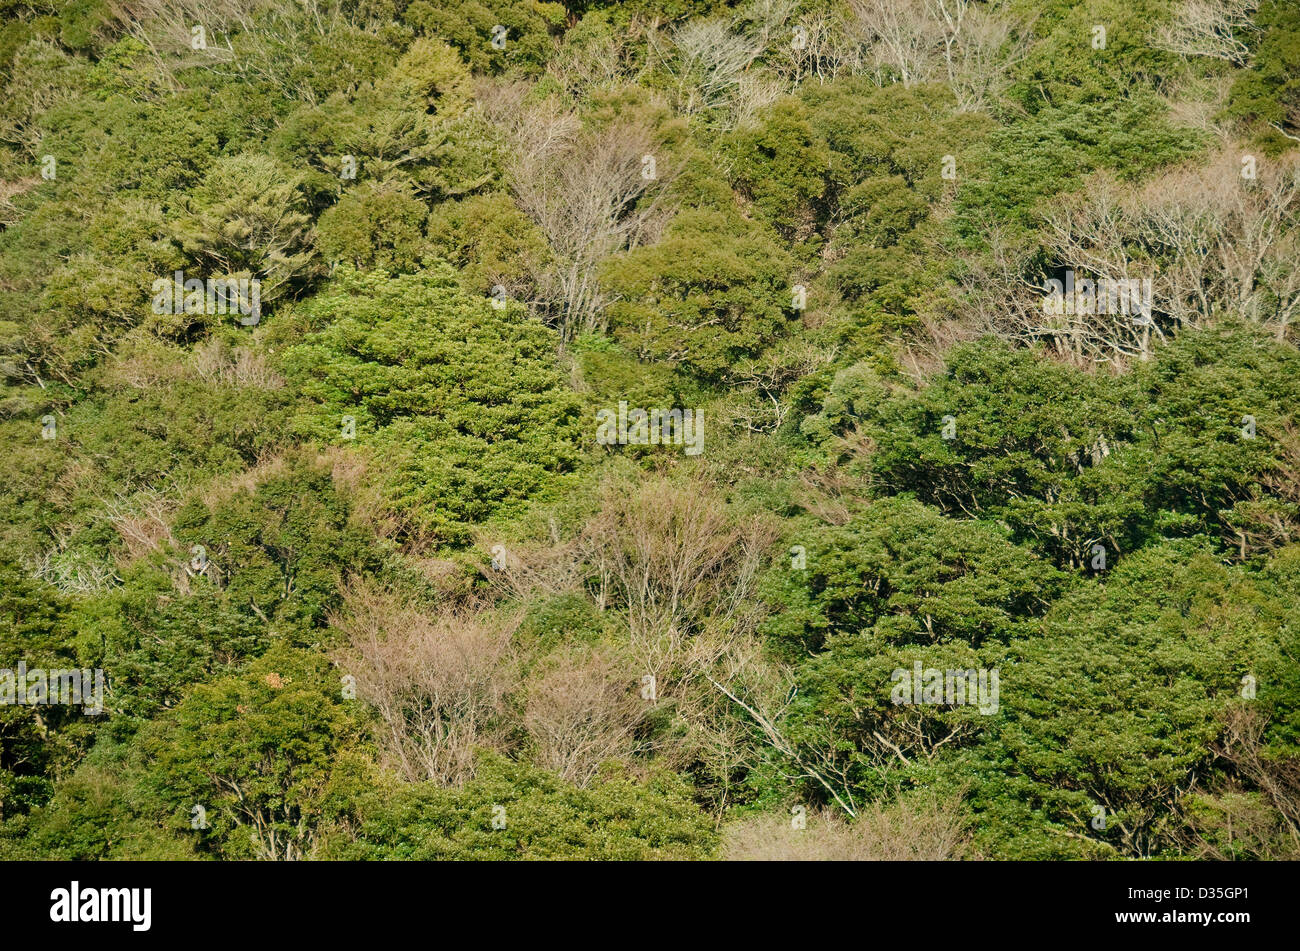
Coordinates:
<point>606,62</point>
<point>438,684</point>
<point>581,712</point>
<point>820,47</point>
<point>1094,242</point>
<point>918,829</point>
<point>968,45</point>
<point>1217,29</point>
<point>73,572</point>
<point>1223,243</point>
<point>168,28</point>
<point>980,45</point>
<point>526,569</point>
<point>684,570</point>
<point>1250,809</point>
<point>188,33</point>
<point>142,520</point>
<point>902,34</point>
<point>1210,241</point>
<point>766,379</point>
<point>219,363</point>
<point>591,190</point>
<point>679,570</point>
<point>712,62</point>
<point>673,556</point>
<point>40,77</point>
<point>1277,776</point>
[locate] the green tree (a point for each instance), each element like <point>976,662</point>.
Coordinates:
<point>713,291</point>
<point>465,405</point>
<point>377,224</point>
<point>537,816</point>
<point>270,753</point>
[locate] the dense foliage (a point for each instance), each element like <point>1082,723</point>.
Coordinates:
<point>603,430</point>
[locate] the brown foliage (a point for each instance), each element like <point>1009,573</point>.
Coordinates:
<point>218,363</point>
<point>438,684</point>
<point>143,522</point>
<point>585,189</point>
<point>1254,812</point>
<point>673,556</point>
<point>1212,242</point>
<point>909,830</point>
<point>683,568</point>
<point>582,711</point>
<point>1278,777</point>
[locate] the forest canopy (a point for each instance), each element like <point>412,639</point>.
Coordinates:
<point>668,429</point>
